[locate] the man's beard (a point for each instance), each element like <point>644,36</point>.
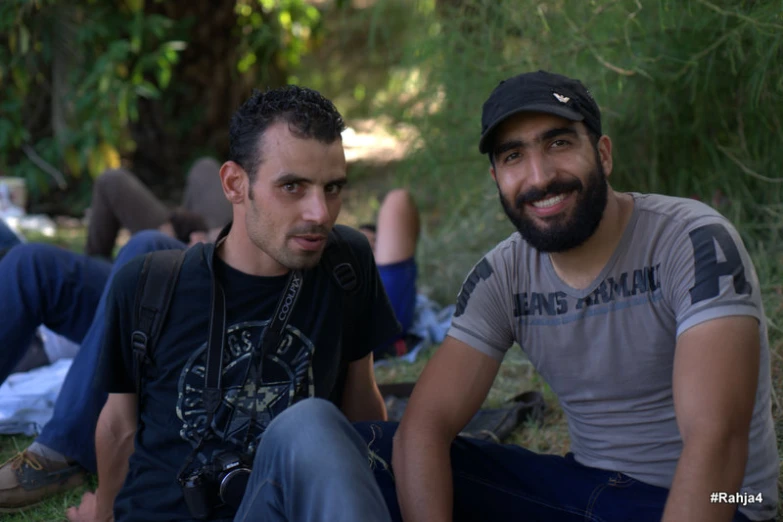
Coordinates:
<point>562,233</point>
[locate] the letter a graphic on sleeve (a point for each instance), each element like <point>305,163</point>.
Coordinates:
<point>481,272</point>
<point>708,270</point>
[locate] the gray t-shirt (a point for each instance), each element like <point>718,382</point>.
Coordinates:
<point>608,351</point>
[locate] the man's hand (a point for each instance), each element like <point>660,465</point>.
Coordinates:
<point>87,511</point>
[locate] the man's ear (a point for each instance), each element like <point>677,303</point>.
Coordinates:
<point>234,180</point>
<point>605,153</point>
<point>493,174</point>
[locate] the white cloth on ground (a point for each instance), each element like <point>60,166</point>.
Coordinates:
<point>27,399</point>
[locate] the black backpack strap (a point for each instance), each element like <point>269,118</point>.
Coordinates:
<point>155,289</point>
<point>341,262</point>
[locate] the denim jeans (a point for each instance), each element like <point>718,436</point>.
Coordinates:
<point>79,286</point>
<point>8,238</point>
<point>311,465</point>
<point>45,284</point>
<point>498,482</point>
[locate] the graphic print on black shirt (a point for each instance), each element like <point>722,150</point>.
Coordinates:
<point>249,403</point>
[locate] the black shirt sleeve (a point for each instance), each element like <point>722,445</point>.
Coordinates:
<point>370,320</point>
<point>116,366</point>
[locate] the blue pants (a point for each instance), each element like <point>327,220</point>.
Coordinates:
<point>399,281</point>
<point>7,237</point>
<point>507,482</point>
<point>44,284</point>
<point>67,292</point>
<point>312,466</point>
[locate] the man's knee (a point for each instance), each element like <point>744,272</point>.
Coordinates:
<point>308,412</point>
<point>147,241</point>
<point>399,198</point>
<point>303,427</point>
<point>112,180</point>
<point>34,257</point>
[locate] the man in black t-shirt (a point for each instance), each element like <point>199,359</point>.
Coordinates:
<point>284,179</point>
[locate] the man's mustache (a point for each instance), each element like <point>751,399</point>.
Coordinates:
<point>553,189</point>
<point>310,230</point>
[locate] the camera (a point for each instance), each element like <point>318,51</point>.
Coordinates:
<point>221,482</point>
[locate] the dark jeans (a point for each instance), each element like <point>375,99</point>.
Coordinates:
<point>67,292</point>
<point>44,284</point>
<point>498,482</point>
<point>7,237</point>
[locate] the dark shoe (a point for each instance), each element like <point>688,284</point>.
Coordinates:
<point>29,479</point>
<point>495,424</point>
<point>498,424</point>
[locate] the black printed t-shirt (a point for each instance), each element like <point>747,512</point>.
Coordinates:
<point>306,364</point>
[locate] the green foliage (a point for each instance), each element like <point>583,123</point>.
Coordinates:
<point>691,93</point>
<point>276,30</point>
<point>73,75</point>
<point>358,55</point>
<point>77,71</point>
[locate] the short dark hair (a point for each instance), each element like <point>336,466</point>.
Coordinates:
<point>307,112</point>
<point>185,222</point>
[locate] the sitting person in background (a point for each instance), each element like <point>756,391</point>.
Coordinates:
<point>120,200</point>
<point>393,240</point>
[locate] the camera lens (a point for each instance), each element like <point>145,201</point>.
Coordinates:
<point>233,485</point>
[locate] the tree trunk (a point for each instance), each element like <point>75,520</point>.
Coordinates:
<point>191,117</point>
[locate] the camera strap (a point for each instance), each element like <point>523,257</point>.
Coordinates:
<point>270,338</point>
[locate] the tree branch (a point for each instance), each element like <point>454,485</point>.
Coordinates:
<point>44,166</point>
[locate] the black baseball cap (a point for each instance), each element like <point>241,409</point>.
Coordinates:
<point>539,91</point>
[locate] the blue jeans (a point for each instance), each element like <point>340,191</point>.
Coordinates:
<point>71,430</point>
<point>507,482</point>
<point>7,237</point>
<point>399,281</point>
<point>45,284</point>
<point>312,466</point>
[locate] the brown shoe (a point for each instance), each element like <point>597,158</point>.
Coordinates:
<point>29,479</point>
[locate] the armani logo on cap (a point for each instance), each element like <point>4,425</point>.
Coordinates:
<point>561,98</point>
